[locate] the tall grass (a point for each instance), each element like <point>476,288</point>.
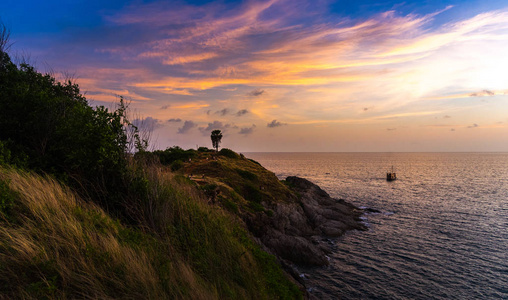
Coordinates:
<point>214,242</point>
<point>54,245</point>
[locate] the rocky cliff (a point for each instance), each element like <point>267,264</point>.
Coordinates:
<point>293,219</point>
<point>298,231</point>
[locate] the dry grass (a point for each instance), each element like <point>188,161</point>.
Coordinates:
<point>54,245</point>
<point>58,246</point>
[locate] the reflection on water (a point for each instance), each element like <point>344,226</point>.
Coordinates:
<point>442,230</point>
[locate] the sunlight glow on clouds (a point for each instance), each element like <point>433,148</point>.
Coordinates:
<point>286,62</point>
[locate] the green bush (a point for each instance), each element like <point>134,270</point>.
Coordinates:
<point>252,193</point>
<point>254,162</point>
<point>229,205</point>
<point>176,165</point>
<point>228,153</point>
<point>172,154</point>
<point>256,206</point>
<point>247,175</point>
<point>48,126</point>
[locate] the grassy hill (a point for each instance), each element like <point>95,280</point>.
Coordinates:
<point>292,217</point>
<point>238,183</point>
<point>55,245</point>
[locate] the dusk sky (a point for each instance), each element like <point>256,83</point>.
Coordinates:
<point>284,75</point>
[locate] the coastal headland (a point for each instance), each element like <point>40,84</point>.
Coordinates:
<point>293,218</point>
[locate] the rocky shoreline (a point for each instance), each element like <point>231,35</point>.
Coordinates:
<point>293,219</point>
<point>298,232</point>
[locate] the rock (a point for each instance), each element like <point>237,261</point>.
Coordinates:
<point>298,230</point>
<point>371,210</point>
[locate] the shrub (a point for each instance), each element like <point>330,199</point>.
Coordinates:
<point>176,165</point>
<point>48,126</point>
<point>228,153</point>
<point>247,175</point>
<point>252,193</point>
<point>174,153</point>
<point>229,205</point>
<point>254,162</point>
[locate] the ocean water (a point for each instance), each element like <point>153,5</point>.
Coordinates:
<point>442,232</point>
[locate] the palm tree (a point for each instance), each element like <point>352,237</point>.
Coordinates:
<point>216,138</point>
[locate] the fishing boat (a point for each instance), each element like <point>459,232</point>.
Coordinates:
<point>391,176</point>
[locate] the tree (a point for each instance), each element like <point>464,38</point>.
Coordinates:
<point>48,126</point>
<point>216,138</point>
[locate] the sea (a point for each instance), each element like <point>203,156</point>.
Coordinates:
<point>441,231</point>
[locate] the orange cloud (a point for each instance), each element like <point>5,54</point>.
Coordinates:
<point>321,73</point>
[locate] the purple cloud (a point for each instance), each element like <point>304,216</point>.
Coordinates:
<point>256,93</point>
<point>247,130</point>
<point>275,123</point>
<point>482,94</point>
<point>187,125</point>
<point>242,112</point>
<point>213,126</point>
<point>222,112</point>
<point>147,124</point>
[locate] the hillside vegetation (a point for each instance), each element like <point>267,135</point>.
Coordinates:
<point>81,217</point>
<point>293,218</point>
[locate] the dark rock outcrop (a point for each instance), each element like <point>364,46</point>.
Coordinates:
<point>298,230</point>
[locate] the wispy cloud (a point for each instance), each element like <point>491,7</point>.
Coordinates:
<point>293,60</point>
<point>274,43</point>
<point>482,93</point>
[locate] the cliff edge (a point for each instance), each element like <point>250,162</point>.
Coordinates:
<point>292,218</point>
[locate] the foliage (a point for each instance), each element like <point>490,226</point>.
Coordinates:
<point>176,165</point>
<point>174,153</point>
<point>48,126</point>
<point>228,153</point>
<point>66,248</point>
<point>247,174</point>
<point>254,162</point>
<point>244,184</point>
<point>204,149</point>
<point>216,137</point>
<point>228,204</point>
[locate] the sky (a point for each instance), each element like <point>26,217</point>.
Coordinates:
<point>284,75</point>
